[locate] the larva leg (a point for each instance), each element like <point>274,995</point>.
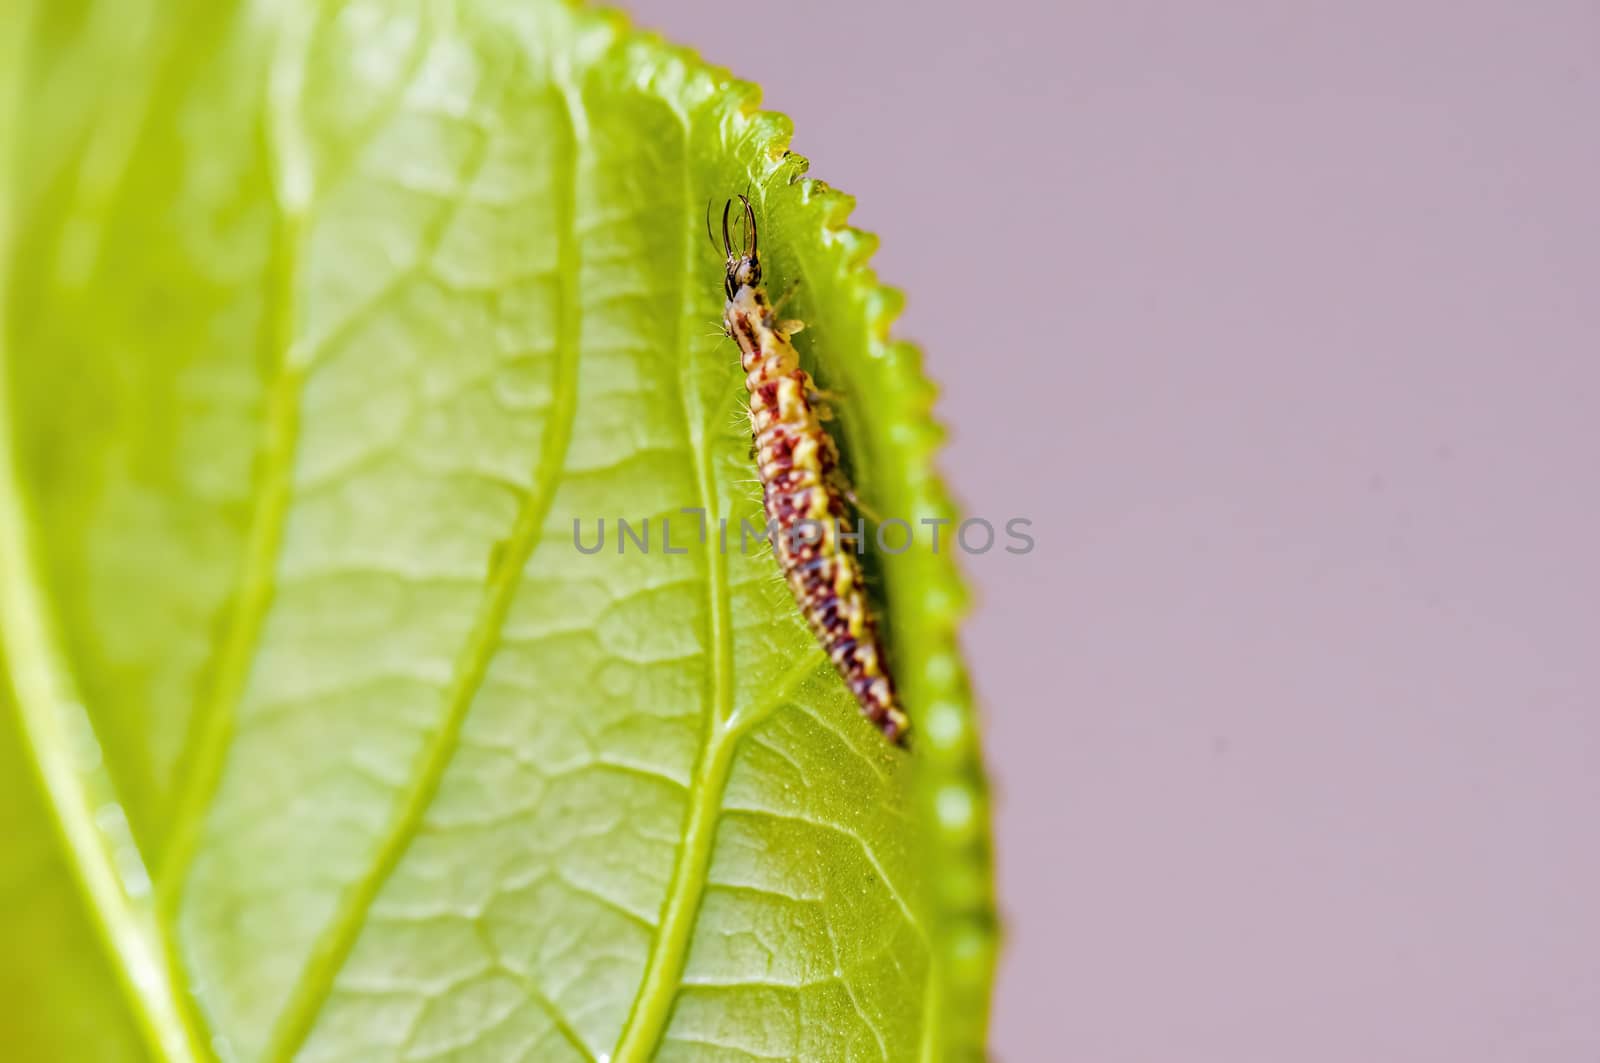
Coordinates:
<point>789,326</point>
<point>784,298</point>
<point>820,401</point>
<point>841,485</point>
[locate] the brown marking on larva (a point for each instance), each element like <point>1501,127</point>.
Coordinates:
<point>798,463</point>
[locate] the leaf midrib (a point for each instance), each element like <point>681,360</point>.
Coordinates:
<point>44,694</point>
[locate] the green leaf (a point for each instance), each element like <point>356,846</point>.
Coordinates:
<point>322,326</point>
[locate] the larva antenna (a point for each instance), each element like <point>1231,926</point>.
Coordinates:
<point>709,236</point>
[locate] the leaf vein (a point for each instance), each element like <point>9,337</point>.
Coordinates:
<point>680,908</point>
<point>321,971</point>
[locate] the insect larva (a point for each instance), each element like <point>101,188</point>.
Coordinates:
<point>801,482</point>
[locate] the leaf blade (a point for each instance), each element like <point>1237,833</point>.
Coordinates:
<point>401,721</point>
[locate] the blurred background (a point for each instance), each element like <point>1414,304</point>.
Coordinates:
<point>1282,324</point>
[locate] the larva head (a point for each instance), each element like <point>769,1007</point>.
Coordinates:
<point>743,267</point>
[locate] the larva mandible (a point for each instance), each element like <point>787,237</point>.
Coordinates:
<point>801,483</point>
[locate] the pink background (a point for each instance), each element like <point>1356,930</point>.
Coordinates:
<point>1282,323</point>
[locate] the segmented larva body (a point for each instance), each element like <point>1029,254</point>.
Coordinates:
<point>798,466</point>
